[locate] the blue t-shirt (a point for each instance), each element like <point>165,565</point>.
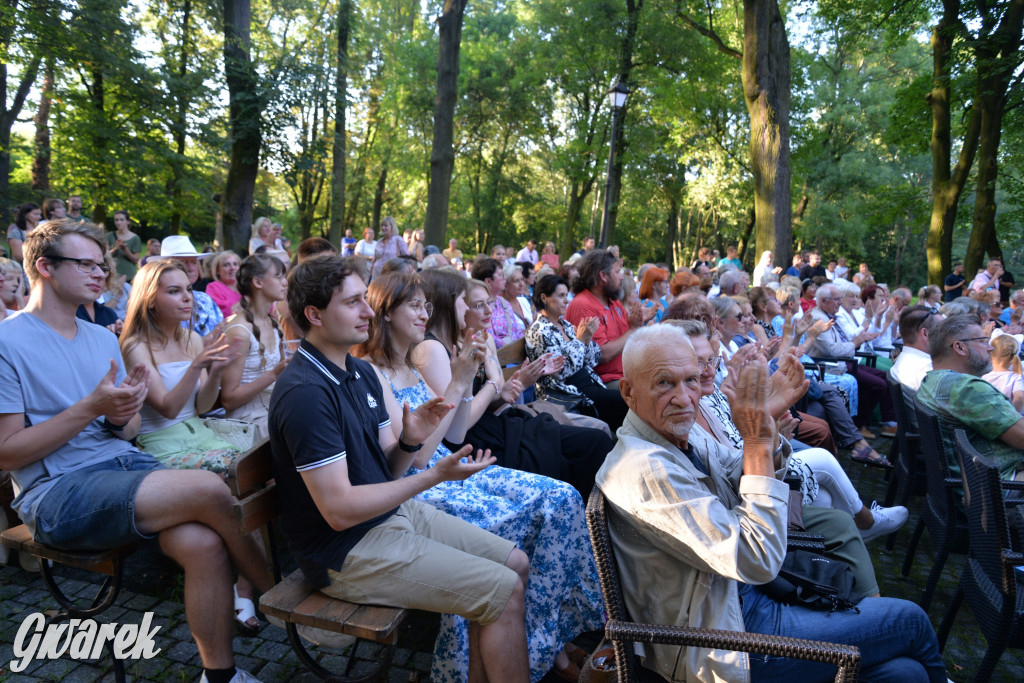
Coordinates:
<point>43,374</point>
<point>348,246</point>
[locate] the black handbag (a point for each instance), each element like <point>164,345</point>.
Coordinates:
<point>814,581</point>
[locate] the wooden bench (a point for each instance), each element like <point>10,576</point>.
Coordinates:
<point>293,600</point>
<point>107,562</point>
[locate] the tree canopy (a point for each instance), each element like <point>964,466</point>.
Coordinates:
<point>879,132</point>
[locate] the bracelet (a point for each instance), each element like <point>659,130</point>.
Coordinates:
<point>406,447</point>
<point>107,424</point>
<point>466,399</point>
<point>497,389</point>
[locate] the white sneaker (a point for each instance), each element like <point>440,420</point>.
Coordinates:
<point>239,677</point>
<point>887,520</point>
<point>317,636</point>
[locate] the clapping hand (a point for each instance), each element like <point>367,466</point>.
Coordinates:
<point>419,424</point>
<point>586,329</point>
<point>452,468</point>
<point>120,403</point>
<point>750,404</point>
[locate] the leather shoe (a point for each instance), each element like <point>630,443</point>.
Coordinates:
<point>867,433</point>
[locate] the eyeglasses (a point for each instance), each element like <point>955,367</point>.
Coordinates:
<point>713,363</point>
<point>418,306</point>
<point>480,306</point>
<point>84,264</point>
<point>970,339</point>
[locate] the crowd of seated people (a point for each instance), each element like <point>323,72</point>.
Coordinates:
<point>462,470</point>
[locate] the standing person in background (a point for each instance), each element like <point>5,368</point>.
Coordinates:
<point>125,245</point>
<point>529,253</point>
<point>549,256</point>
<point>798,262</point>
<point>588,245</point>
<point>54,209</point>
<point>863,272</point>
<point>388,246</point>
<point>224,288</point>
<point>732,257</point>
<point>813,268</point>
<point>366,247</point>
<point>453,252</point>
<point>152,251</point>
<point>841,269</point>
<point>25,221</point>
<point>416,247</point>
<point>74,209</point>
<point>260,234</point>
<point>988,278</point>
<point>348,244</point>
<point>279,244</point>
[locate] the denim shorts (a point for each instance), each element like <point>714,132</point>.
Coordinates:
<point>93,508</point>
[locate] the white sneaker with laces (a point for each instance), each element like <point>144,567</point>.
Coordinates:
<point>239,677</point>
<point>887,520</point>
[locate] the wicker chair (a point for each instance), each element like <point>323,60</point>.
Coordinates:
<point>946,524</point>
<point>909,477</point>
<point>623,633</point>
<point>988,580</point>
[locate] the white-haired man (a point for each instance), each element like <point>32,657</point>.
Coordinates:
<point>696,533</point>
<point>836,343</point>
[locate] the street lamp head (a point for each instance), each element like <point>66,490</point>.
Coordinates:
<point>617,95</point>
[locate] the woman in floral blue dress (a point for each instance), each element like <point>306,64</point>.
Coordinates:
<point>542,515</point>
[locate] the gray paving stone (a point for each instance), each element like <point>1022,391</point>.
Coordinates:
<point>271,651</point>
<point>182,652</point>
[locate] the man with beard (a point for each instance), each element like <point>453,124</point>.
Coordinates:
<point>598,294</point>
<point>955,392</point>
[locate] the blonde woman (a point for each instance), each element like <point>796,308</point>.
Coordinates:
<point>1006,370</point>
<point>224,288</point>
<point>185,382</point>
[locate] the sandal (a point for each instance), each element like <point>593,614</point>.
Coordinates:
<point>569,673</point>
<point>577,655</point>
<point>863,455</point>
<point>244,611</point>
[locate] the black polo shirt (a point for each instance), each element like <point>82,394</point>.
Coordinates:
<point>320,414</point>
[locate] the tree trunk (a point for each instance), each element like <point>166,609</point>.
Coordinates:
<point>672,232</point>
<point>340,106</point>
<point>744,244</point>
<point>766,87</point>
<point>179,126</point>
<point>997,59</point>
<point>378,198</point>
<point>577,198</point>
<point>245,108</point>
<point>100,143</point>
<point>41,161</point>
<point>947,183</point>
<point>442,153</point>
<point>626,50</point>
<point>7,118</point>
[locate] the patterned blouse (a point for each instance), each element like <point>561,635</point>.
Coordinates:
<point>506,326</point>
<point>543,337</point>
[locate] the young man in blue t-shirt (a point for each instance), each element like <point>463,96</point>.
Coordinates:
<point>352,522</point>
<point>67,415</point>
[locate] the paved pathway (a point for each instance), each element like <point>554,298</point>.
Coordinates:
<point>156,587</point>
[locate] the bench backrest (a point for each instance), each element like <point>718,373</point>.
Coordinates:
<point>250,478</point>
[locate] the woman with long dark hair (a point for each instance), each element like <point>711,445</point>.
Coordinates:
<point>518,438</point>
<point>542,515</point>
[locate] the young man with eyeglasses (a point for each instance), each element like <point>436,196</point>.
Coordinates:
<point>955,392</point>
<point>68,412</point>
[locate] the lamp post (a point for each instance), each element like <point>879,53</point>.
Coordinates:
<point>617,100</point>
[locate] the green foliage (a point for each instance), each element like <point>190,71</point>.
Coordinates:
<point>532,123</point>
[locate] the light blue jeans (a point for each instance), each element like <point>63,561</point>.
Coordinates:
<point>896,640</point>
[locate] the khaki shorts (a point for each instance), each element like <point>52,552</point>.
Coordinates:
<point>422,558</point>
